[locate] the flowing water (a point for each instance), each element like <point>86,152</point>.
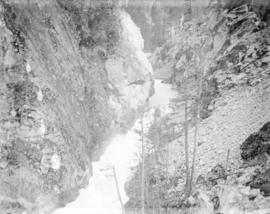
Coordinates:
<point>123,153</point>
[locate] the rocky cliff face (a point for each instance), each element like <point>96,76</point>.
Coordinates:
<point>231,49</point>
<point>238,68</point>
<point>157,18</point>
<point>227,48</point>
<point>66,84</point>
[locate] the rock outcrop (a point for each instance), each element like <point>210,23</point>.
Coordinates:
<point>234,60</point>
<point>65,74</point>
<point>159,19</point>
<point>257,144</point>
<point>155,18</point>
<point>227,48</point>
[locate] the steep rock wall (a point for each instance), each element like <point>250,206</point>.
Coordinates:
<point>228,47</point>
<point>66,74</point>
<point>234,97</point>
<point>158,19</point>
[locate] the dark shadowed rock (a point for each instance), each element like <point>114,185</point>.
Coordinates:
<point>261,180</point>
<point>216,174</point>
<point>257,143</point>
<point>265,189</point>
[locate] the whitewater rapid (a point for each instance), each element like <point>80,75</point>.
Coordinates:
<point>123,153</point>
<point>100,197</point>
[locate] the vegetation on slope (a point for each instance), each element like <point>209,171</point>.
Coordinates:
<point>228,50</point>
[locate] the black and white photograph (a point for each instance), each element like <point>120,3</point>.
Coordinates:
<point>134,106</point>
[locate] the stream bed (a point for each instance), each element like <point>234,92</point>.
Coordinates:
<point>100,197</point>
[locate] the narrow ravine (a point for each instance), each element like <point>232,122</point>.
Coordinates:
<point>123,153</point>
<point>146,107</point>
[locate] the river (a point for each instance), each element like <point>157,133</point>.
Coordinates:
<point>100,197</point>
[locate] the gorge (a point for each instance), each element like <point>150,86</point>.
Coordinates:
<point>77,78</point>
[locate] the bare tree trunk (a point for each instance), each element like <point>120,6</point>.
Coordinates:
<point>227,159</point>
<point>194,152</point>
<point>118,191</point>
<point>195,143</point>
<point>167,160</point>
<point>158,187</point>
<point>143,167</point>
<point>186,142</point>
<point>146,189</point>
<point>153,201</point>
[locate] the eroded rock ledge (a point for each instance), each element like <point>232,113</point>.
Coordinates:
<point>66,83</point>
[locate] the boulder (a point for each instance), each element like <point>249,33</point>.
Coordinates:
<point>257,143</point>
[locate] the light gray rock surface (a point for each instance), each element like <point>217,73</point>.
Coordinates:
<point>65,69</point>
